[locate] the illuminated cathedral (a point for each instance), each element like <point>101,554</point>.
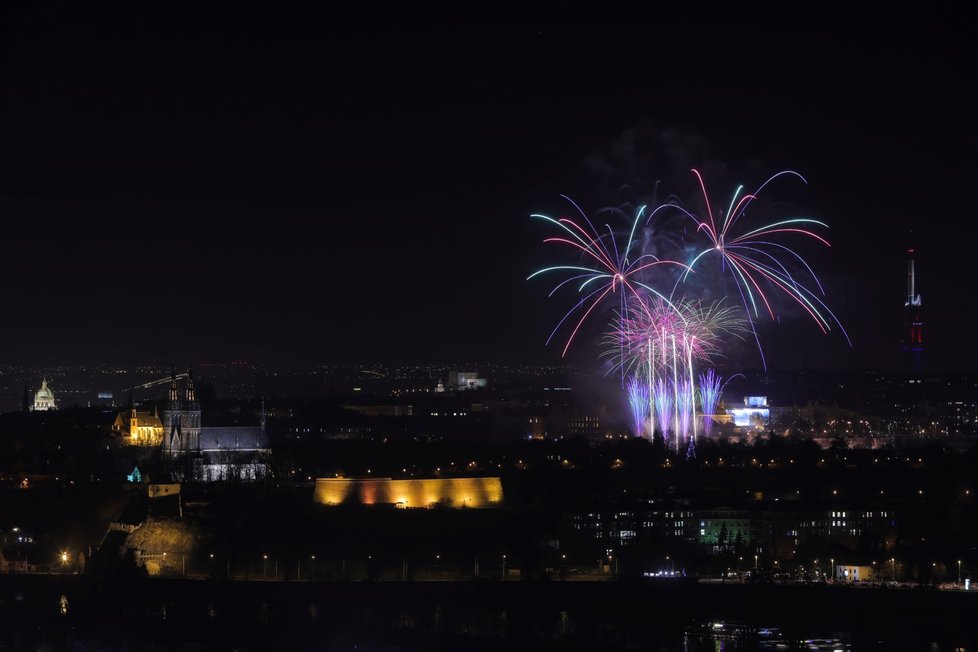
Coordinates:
<point>210,453</point>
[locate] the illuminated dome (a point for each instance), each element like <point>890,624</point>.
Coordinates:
<point>44,398</point>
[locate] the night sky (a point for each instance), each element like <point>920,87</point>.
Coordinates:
<point>302,187</point>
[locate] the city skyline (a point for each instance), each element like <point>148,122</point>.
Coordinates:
<point>633,331</point>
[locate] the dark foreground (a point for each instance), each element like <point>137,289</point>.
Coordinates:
<point>75,613</point>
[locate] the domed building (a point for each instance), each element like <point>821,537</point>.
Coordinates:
<point>44,398</point>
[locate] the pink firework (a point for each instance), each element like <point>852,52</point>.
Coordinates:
<point>606,270</point>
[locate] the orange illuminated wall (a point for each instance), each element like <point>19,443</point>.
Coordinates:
<point>457,492</point>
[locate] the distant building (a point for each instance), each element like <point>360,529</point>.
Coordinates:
<point>234,453</point>
<point>464,380</point>
<point>623,525</point>
<point>181,420</point>
<point>782,531</point>
<point>724,528</point>
<point>44,398</point>
<point>210,453</point>
<point>411,493</point>
<point>847,573</point>
<point>755,413</point>
<point>137,428</point>
<point>15,546</point>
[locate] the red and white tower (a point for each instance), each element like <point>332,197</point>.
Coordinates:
<point>913,330</point>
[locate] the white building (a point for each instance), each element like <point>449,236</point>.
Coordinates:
<point>465,380</point>
<point>754,414</point>
<point>44,398</point>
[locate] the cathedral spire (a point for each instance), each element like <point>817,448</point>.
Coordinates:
<point>174,395</point>
<point>191,395</point>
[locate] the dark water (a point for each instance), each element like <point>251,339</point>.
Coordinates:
<point>76,613</point>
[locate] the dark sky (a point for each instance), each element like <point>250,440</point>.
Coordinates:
<point>296,187</point>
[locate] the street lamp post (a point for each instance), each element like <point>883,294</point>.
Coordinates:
<point>755,563</point>
<point>504,567</point>
<point>959,571</point>
<point>264,567</point>
<point>893,569</point>
<point>832,563</point>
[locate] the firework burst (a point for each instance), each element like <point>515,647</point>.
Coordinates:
<point>658,341</point>
<point>711,391</point>
<point>757,259</point>
<point>638,401</point>
<point>606,269</point>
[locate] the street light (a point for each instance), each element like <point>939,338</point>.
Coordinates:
<point>504,567</point>
<point>959,571</point>
<point>755,563</point>
<point>264,566</point>
<point>832,561</point>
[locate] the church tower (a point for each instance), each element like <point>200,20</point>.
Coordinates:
<point>181,419</point>
<point>181,422</point>
<point>191,417</point>
<point>172,430</point>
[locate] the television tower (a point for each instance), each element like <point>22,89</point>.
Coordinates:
<point>913,330</point>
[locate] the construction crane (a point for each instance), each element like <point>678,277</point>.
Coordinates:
<point>159,381</point>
